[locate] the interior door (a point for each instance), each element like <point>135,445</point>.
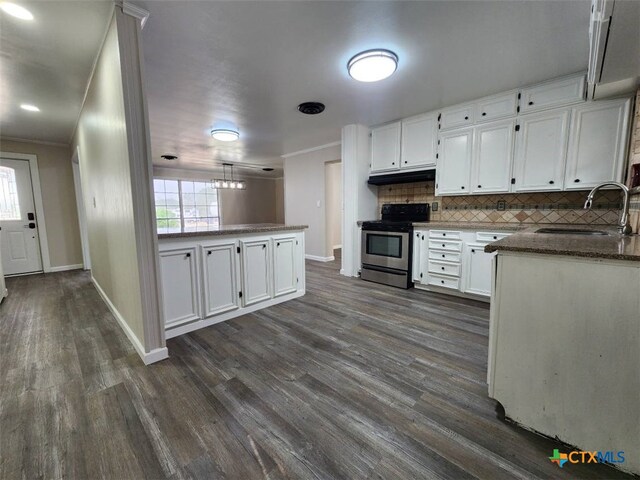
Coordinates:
<point>20,242</point>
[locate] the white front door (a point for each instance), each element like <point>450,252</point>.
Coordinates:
<point>20,244</point>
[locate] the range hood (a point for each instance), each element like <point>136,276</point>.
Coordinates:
<point>402,177</point>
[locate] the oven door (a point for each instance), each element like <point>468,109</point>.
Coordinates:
<point>386,249</point>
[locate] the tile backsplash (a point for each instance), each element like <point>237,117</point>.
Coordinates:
<point>548,207</point>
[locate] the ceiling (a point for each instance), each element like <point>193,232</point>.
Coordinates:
<point>248,64</point>
<point>47,62</point>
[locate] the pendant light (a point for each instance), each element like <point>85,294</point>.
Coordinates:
<point>231,183</point>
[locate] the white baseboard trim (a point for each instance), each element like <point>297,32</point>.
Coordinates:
<point>319,259</point>
<point>64,268</point>
<point>147,357</point>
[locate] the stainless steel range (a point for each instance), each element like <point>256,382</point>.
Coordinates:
<point>387,244</point>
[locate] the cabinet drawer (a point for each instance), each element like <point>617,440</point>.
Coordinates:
<point>499,106</point>
<point>443,281</point>
<point>446,256</point>
<point>457,117</point>
<point>447,245</point>
<point>444,234</point>
<point>490,236</point>
<point>443,268</point>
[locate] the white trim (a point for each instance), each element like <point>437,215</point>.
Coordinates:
<point>38,142</point>
<point>135,11</point>
<point>64,268</point>
<point>154,355</point>
<point>4,295</point>
<point>208,174</point>
<point>38,204</point>
<point>316,258</point>
<point>335,247</point>
<point>312,149</point>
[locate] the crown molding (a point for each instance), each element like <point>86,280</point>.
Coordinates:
<point>37,142</point>
<point>135,11</point>
<point>312,149</point>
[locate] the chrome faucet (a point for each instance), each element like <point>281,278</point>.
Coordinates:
<point>624,227</point>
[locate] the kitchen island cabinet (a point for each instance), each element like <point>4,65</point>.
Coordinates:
<point>210,277</point>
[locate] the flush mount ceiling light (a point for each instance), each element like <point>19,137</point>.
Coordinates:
<point>29,108</point>
<point>231,183</point>
<point>225,135</point>
<point>372,65</point>
<point>16,11</point>
<point>311,108</point>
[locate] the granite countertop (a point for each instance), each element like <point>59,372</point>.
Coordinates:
<point>235,230</point>
<point>509,227</point>
<point>612,246</point>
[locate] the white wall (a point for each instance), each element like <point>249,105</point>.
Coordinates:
<point>304,195</point>
<point>260,202</point>
<point>112,141</point>
<point>333,191</point>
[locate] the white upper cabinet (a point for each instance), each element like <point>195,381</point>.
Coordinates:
<point>497,106</point>
<point>220,278</point>
<point>597,143</point>
<point>541,149</point>
<point>552,94</point>
<point>458,116</point>
<point>454,162</point>
<point>284,268</point>
<point>492,157</point>
<point>385,147</point>
<point>419,141</point>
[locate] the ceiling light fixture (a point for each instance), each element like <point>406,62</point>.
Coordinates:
<point>16,11</point>
<point>225,135</point>
<point>228,184</point>
<point>372,65</point>
<point>29,108</point>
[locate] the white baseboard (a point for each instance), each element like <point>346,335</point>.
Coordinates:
<point>319,259</point>
<point>64,268</point>
<point>147,357</point>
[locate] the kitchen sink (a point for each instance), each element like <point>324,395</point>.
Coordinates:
<point>571,231</point>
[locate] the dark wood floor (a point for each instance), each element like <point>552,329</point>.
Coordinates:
<point>354,380</point>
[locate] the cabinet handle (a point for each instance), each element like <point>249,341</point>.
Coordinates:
<point>264,246</point>
<point>484,114</point>
<point>406,161</point>
<point>209,252</point>
<point>393,163</point>
<point>495,238</point>
<point>466,118</point>
<point>443,245</point>
<point>530,103</point>
<point>444,256</point>
<point>479,186</point>
<point>188,255</point>
<point>444,234</point>
<point>420,275</point>
<point>551,182</point>
<point>473,251</point>
<point>462,188</point>
<point>418,235</point>
<point>422,237</point>
<point>442,281</point>
<point>278,244</point>
<point>577,180</point>
<point>442,268</point>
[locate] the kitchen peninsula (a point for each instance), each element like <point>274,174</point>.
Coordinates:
<point>564,341</point>
<point>213,276</point>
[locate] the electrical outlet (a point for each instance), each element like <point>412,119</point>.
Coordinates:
<point>502,206</point>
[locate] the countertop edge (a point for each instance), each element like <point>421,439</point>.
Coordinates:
<point>492,247</point>
<point>233,231</point>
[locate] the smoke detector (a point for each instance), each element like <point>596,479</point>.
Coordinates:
<point>311,108</point>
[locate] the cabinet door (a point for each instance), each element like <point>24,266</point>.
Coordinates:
<point>477,275</point>
<point>256,271</point>
<point>285,278</point>
<point>180,289</point>
<point>597,143</point>
<point>385,147</point>
<point>497,106</point>
<point>420,256</point>
<point>454,162</point>
<point>553,94</point>
<point>458,116</point>
<point>220,278</point>
<point>419,137</point>
<point>541,150</point>
<point>492,157</point>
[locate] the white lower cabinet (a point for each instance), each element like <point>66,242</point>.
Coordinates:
<point>180,286</point>
<point>477,276</point>
<point>256,271</point>
<point>220,274</point>
<point>285,269</point>
<point>215,279</point>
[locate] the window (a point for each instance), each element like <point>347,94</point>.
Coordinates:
<point>186,206</point>
<point>9,203</point>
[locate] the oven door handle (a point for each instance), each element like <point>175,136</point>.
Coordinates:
<point>392,271</point>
